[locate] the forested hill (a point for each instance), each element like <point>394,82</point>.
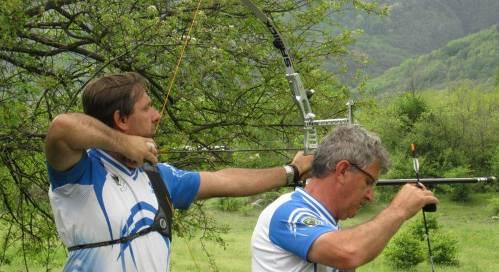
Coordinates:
<point>416,27</point>
<point>475,58</point>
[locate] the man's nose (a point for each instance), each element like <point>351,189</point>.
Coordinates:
<point>370,194</point>
<point>156,116</point>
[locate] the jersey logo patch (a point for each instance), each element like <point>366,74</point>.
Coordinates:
<point>311,221</point>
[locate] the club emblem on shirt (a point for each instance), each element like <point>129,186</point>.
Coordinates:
<point>118,182</point>
<point>311,221</point>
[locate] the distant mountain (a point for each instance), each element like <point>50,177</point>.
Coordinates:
<point>474,57</point>
<point>416,27</point>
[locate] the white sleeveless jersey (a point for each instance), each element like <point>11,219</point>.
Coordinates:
<point>100,199</point>
<point>285,232</point>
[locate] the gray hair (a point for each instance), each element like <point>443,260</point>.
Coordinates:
<point>351,143</point>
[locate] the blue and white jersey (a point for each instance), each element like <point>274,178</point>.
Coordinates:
<point>100,199</point>
<point>285,232</point>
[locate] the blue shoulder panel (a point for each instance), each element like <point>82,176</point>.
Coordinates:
<point>295,226</point>
<point>183,186</point>
<point>71,176</point>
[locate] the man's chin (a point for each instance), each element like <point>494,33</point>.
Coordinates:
<point>149,135</point>
<point>352,215</point>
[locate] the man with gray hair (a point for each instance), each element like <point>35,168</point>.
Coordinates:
<point>299,231</point>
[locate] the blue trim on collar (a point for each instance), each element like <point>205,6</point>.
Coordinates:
<point>131,172</point>
<point>317,205</point>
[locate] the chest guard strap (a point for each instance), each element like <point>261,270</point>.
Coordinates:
<point>162,220</point>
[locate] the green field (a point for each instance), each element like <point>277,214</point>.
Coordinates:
<point>471,223</point>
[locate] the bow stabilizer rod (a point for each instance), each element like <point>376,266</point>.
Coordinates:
<point>436,181</point>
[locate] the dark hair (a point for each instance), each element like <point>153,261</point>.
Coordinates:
<point>351,143</point>
<point>110,93</point>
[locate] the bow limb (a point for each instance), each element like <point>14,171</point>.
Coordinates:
<point>300,95</point>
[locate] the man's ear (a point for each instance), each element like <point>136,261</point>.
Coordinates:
<point>120,122</point>
<point>341,168</point>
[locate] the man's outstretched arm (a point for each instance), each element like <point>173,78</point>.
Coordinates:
<point>243,182</point>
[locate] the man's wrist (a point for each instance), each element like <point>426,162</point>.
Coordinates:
<point>292,174</point>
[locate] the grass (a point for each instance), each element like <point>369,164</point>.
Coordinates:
<point>187,255</point>
<point>471,223</point>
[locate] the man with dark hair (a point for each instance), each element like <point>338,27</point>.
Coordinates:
<point>102,195</point>
<point>299,231</point>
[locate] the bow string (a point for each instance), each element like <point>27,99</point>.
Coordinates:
<point>179,61</point>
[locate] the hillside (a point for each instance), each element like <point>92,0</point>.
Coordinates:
<point>416,27</point>
<point>474,57</point>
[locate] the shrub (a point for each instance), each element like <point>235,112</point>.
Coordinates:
<point>404,251</point>
<point>460,192</point>
<point>444,245</point>
<point>444,248</point>
<point>409,247</point>
<point>230,204</point>
<point>417,228</point>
